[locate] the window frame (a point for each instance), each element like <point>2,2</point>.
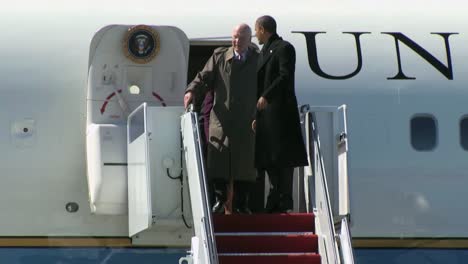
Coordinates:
<point>460,134</point>
<point>436,132</point>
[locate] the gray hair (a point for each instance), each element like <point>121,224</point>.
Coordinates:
<point>244,28</point>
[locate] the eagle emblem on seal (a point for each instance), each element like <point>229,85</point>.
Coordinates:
<point>141,44</point>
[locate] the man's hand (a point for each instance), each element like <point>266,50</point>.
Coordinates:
<point>262,103</point>
<point>254,126</point>
<point>188,99</point>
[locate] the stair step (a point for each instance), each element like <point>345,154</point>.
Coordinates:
<point>271,259</point>
<point>264,254</point>
<point>267,244</point>
<point>264,234</point>
<point>293,222</point>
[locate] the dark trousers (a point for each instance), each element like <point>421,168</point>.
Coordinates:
<point>257,193</point>
<point>280,198</point>
<point>241,198</point>
<point>218,193</point>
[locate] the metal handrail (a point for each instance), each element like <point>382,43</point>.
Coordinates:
<point>204,240</point>
<point>208,221</point>
<point>334,248</point>
<point>322,199</point>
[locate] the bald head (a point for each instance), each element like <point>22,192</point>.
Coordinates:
<point>241,37</point>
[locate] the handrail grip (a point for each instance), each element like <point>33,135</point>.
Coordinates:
<point>319,171</point>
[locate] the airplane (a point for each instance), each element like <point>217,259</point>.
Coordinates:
<point>398,66</point>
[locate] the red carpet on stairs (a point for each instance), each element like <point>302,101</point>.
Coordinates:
<point>284,259</point>
<point>267,244</point>
<point>297,222</point>
<point>266,238</point>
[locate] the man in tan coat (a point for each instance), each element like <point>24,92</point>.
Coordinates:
<point>232,74</point>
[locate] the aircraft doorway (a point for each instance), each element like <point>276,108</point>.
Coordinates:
<point>200,52</point>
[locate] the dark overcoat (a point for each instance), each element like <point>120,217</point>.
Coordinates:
<point>279,142</point>
<point>231,140</point>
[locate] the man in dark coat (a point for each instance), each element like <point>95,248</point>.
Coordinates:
<point>231,74</point>
<point>279,144</point>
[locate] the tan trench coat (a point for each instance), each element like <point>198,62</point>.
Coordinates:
<point>231,139</point>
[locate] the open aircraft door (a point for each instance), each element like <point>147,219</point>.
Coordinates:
<point>136,81</point>
<point>128,65</point>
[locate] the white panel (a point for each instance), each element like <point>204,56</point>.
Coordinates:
<point>141,76</point>
<point>139,191</point>
<point>163,127</point>
<point>155,206</point>
<point>107,171</point>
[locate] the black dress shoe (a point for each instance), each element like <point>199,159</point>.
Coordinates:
<point>272,202</point>
<point>285,204</point>
<point>218,207</point>
<point>218,196</point>
<point>279,203</point>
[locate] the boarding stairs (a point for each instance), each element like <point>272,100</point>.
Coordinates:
<point>310,235</point>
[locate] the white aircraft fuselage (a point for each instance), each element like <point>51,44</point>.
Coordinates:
<point>389,62</point>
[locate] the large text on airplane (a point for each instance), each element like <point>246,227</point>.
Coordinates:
<point>444,69</point>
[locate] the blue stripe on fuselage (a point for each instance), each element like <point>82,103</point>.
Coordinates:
<point>94,255</point>
<point>90,255</point>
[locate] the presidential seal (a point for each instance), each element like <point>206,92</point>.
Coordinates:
<point>141,44</point>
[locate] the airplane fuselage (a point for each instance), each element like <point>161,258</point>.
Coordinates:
<point>399,67</point>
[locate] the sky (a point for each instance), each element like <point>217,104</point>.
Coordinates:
<point>206,7</point>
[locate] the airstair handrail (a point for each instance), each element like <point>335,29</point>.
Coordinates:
<point>203,249</point>
<point>322,206</point>
<point>333,248</point>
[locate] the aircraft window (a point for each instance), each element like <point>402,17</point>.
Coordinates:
<point>423,133</point>
<point>464,132</point>
<point>137,125</point>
